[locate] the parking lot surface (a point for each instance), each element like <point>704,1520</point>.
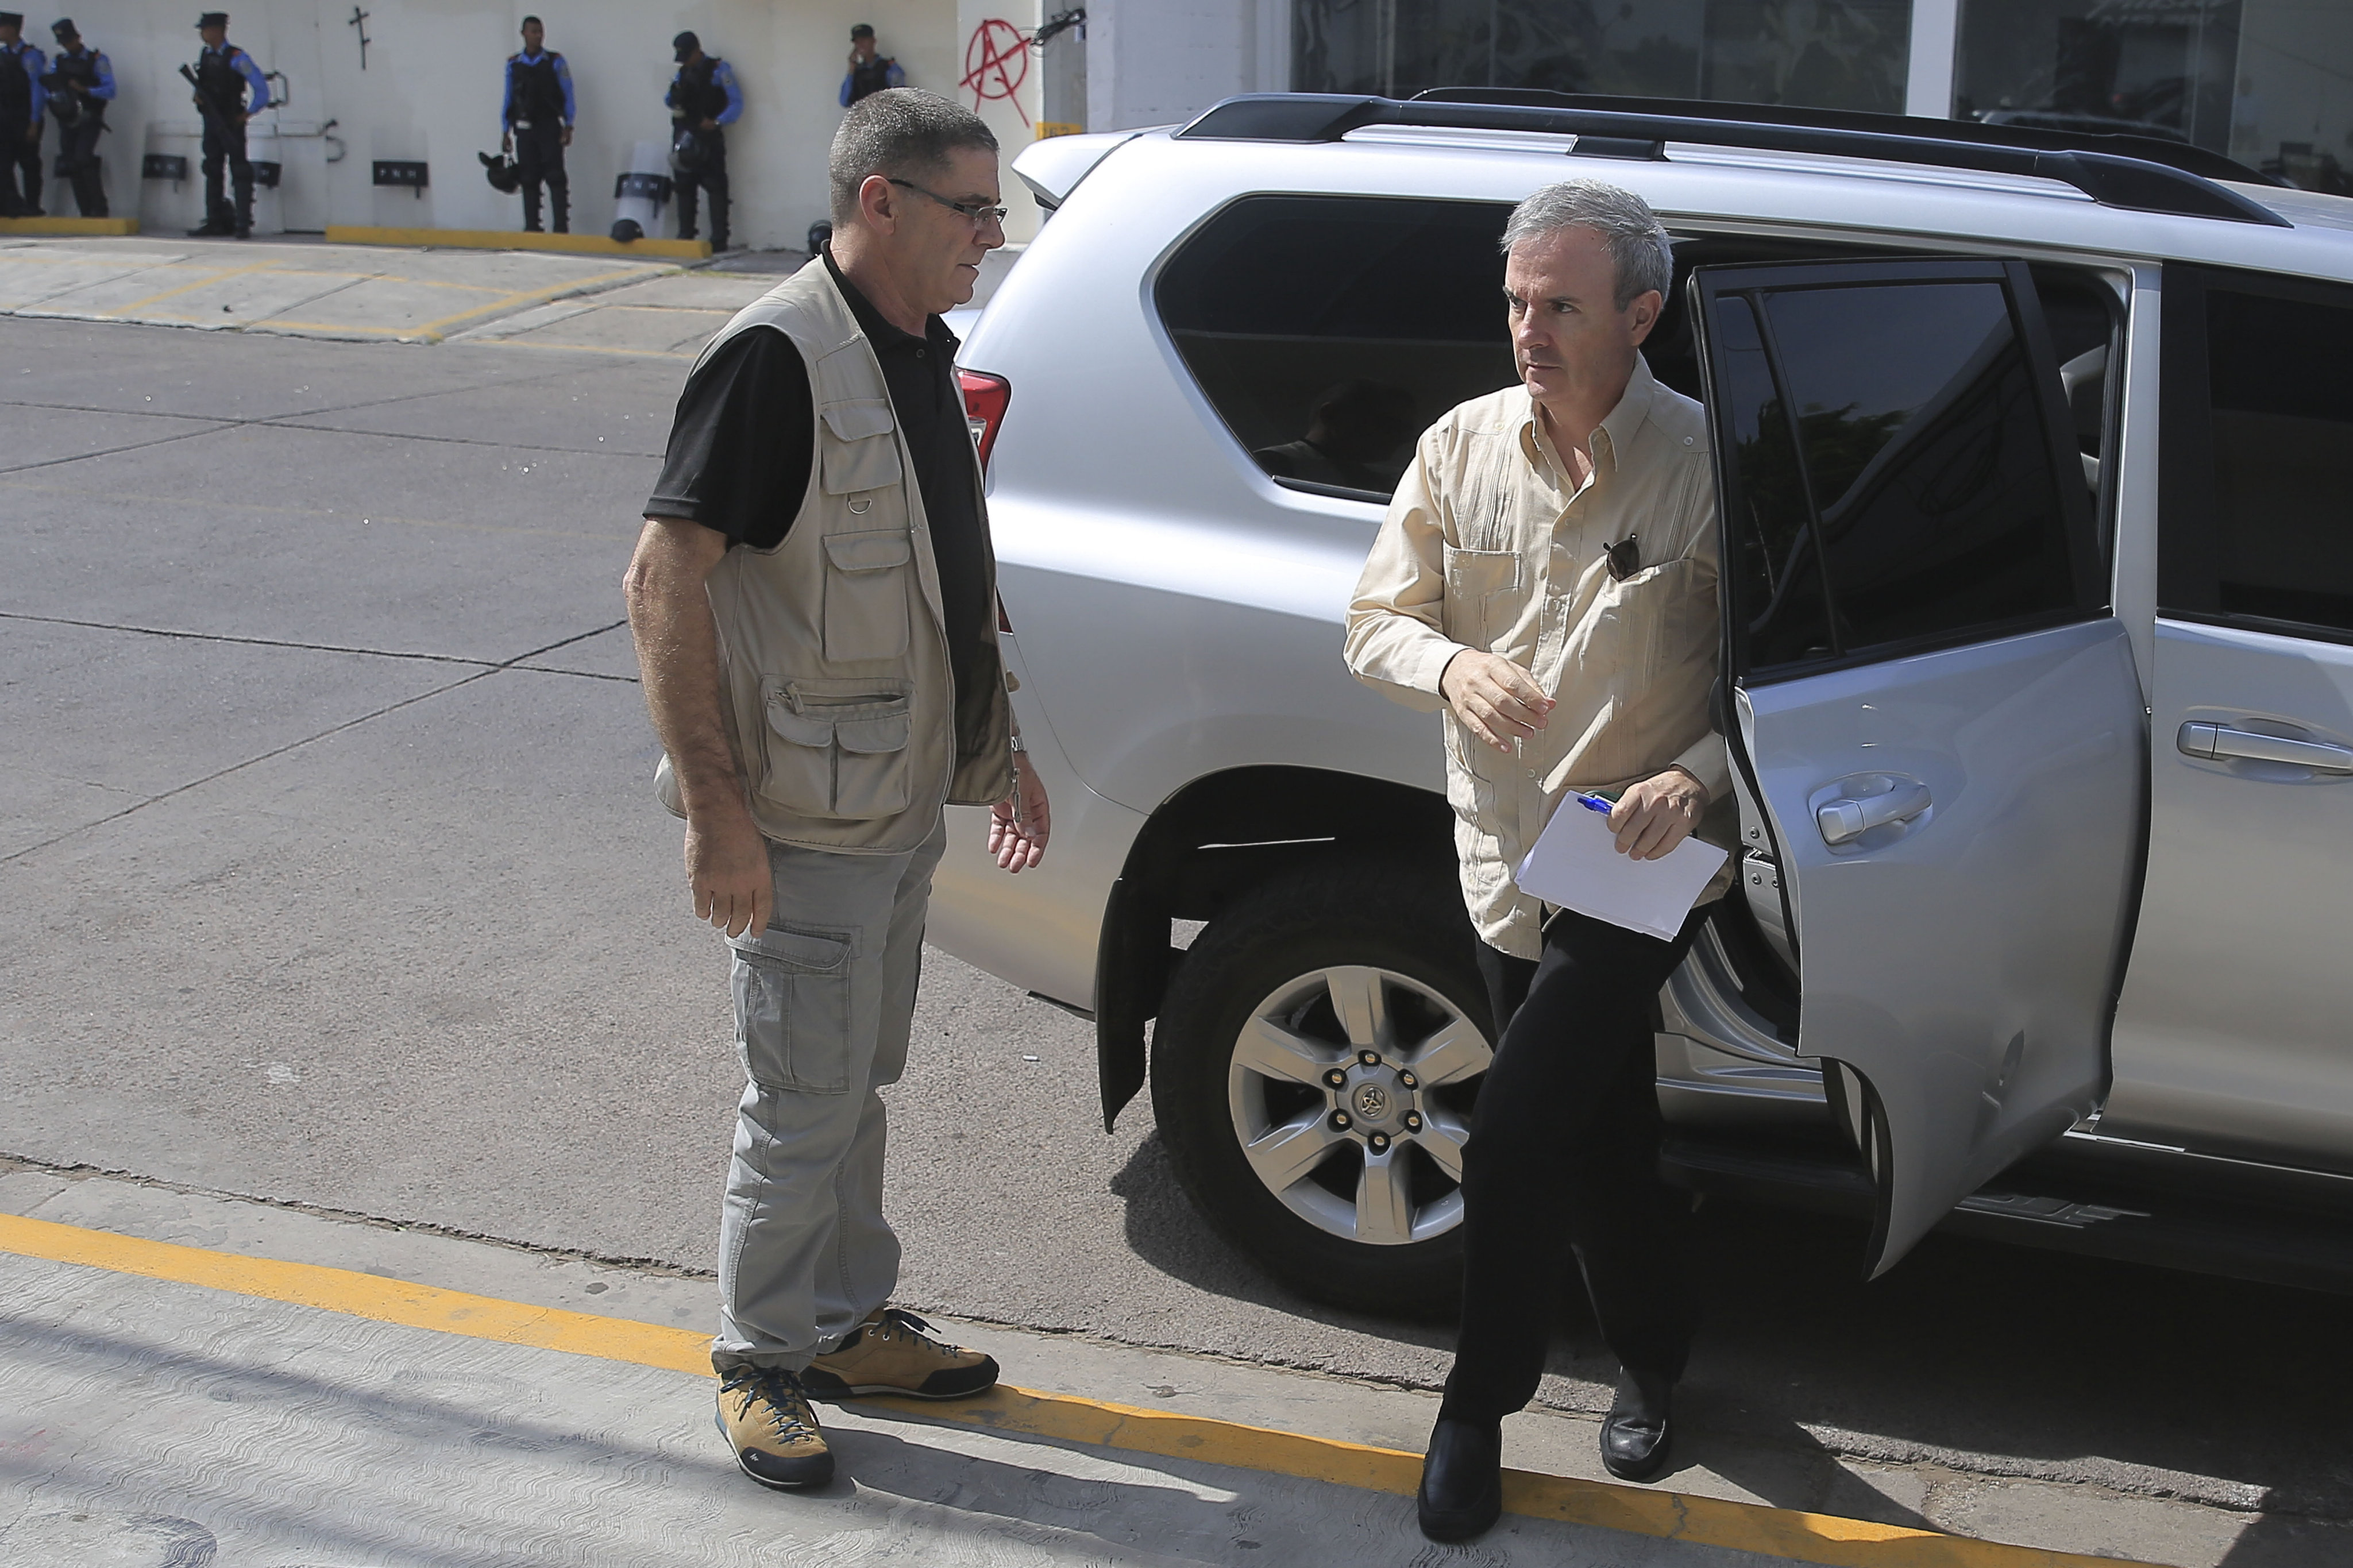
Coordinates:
<point>333,879</point>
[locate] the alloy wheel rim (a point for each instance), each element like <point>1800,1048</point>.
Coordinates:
<point>1350,1089</point>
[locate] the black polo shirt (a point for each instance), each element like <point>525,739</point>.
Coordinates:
<point>744,437</point>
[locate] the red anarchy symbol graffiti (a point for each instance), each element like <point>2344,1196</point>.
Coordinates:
<point>996,64</point>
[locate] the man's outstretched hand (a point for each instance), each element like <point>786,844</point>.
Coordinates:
<point>1658,813</point>
<point>1017,840</point>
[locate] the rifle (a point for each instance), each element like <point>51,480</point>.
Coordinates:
<point>213,116</point>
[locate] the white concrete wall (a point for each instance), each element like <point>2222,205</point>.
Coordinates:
<point>432,80</point>
<point>1157,62</point>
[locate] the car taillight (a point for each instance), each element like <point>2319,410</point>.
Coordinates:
<point>985,397</point>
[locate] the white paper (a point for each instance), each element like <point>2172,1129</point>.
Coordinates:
<point>1576,863</point>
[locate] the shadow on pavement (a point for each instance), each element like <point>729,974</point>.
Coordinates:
<point>1967,1350</point>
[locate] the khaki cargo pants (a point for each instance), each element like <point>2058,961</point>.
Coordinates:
<point>823,999</point>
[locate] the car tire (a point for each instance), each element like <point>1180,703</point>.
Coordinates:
<point>1372,1222</point>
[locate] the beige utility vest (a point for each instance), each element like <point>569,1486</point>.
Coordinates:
<point>833,645</point>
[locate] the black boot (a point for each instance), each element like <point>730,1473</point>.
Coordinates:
<point>1636,1437</point>
<point>1461,1480</point>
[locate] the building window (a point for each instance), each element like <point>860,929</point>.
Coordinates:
<point>2269,82</point>
<point>1825,54</point>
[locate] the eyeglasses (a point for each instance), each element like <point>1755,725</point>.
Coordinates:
<point>978,215</point>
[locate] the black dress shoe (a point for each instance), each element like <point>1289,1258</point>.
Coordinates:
<point>1635,1437</point>
<point>1461,1480</point>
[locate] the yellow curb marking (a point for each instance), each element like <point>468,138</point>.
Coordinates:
<point>509,239</point>
<point>1711,1522</point>
<point>121,227</point>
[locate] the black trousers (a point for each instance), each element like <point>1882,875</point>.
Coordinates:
<point>78,162</point>
<point>538,159</point>
<point>225,143</point>
<point>1563,1163</point>
<point>711,178</point>
<point>20,170</point>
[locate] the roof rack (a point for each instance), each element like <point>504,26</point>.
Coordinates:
<point>2148,178</point>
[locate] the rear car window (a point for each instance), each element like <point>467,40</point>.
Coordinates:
<point>1329,332</point>
<point>2259,527</point>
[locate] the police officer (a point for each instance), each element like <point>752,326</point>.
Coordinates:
<point>703,98</point>
<point>22,98</point>
<point>225,76</point>
<point>78,86</point>
<point>537,120</point>
<point>871,70</point>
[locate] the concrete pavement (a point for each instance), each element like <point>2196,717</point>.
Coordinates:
<point>332,878</point>
<point>359,1420</point>
<point>373,293</point>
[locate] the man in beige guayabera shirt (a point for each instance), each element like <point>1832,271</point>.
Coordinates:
<point>1546,574</point>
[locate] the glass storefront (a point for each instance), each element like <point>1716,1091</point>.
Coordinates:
<point>1832,54</point>
<point>2269,82</point>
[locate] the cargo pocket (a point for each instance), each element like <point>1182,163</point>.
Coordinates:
<point>1474,580</point>
<point>837,754</point>
<point>866,598</point>
<point>860,460</point>
<point>792,1008</point>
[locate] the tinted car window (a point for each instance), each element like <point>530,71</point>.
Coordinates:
<point>1773,556</point>
<point>1930,458</point>
<point>1328,333</point>
<point>1905,423</point>
<point>2280,406</point>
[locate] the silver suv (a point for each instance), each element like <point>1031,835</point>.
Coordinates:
<point>2035,457</point>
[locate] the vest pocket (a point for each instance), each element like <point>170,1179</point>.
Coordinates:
<point>865,607</point>
<point>863,451</point>
<point>837,753</point>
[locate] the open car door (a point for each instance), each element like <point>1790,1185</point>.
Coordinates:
<point>1939,729</point>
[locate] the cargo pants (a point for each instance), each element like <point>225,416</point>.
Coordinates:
<point>824,1000</point>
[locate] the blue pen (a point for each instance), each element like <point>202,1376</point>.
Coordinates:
<point>1594,803</point>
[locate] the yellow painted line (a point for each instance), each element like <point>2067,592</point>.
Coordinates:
<point>213,275</point>
<point>525,297</point>
<point>506,239</point>
<point>1637,1510</point>
<point>113,225</point>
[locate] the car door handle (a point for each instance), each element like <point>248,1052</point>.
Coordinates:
<point>1847,818</point>
<point>2215,742</point>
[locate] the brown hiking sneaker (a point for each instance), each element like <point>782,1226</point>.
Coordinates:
<point>895,1351</point>
<point>767,1419</point>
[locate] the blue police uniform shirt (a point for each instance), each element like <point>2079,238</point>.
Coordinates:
<point>721,75</point>
<point>562,77</point>
<point>37,66</point>
<point>257,85</point>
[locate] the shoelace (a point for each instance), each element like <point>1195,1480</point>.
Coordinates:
<point>914,1327</point>
<point>787,1406</point>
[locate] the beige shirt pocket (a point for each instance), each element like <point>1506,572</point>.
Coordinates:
<point>1481,587</point>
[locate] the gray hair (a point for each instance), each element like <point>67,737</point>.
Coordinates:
<point>1638,241</point>
<point>898,133</point>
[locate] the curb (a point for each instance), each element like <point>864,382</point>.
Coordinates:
<point>113,225</point>
<point>504,240</point>
<point>1788,1533</point>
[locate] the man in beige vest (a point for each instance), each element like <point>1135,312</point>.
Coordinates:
<point>1546,575</point>
<point>815,604</point>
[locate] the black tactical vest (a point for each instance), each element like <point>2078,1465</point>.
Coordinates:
<point>870,77</point>
<point>64,71</point>
<point>15,89</point>
<point>538,96</point>
<point>694,97</point>
<point>218,81</point>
